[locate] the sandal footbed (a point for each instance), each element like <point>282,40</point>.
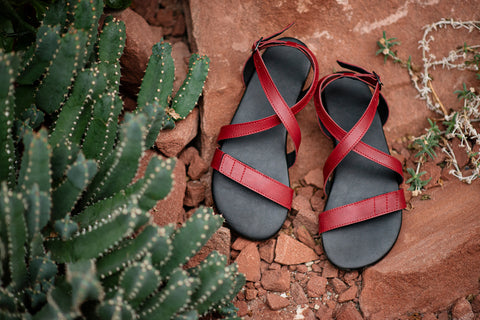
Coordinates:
<point>248,213</point>
<point>357,178</point>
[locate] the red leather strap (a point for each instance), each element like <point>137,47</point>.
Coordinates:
<point>351,141</point>
<point>361,210</point>
<point>243,129</point>
<point>239,171</point>
<point>252,179</point>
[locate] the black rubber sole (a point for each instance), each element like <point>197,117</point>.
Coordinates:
<point>357,178</point>
<point>248,213</point>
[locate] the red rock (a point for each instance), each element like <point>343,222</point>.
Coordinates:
<point>275,302</point>
<point>180,54</point>
<point>146,8</point>
<point>348,295</point>
<point>195,193</point>
<point>438,248</point>
<point>242,308</point>
<point>460,153</point>
<point>324,313</point>
<point>316,286</point>
<point>220,242</point>
<point>267,250</point>
<point>338,285</point>
<point>240,243</point>
<point>429,316</point>
<point>300,202</point>
<point>307,218</point>
<point>197,167</point>
<point>348,312</point>
<point>290,251</point>
<point>308,314</point>
<point>170,209</point>
<point>301,268</point>
<point>250,294</point>
<point>304,236</point>
<point>462,310</point>
<point>329,270</point>
<point>298,294</point>
<point>276,280</point>
<point>350,276</point>
<point>443,315</point>
<point>476,304</point>
<point>164,18</point>
<point>306,192</point>
<point>316,268</point>
<point>138,48</point>
<point>249,262</point>
<point>170,142</point>
<point>128,103</point>
<point>434,172</point>
<point>275,266</point>
<point>315,178</point>
<point>317,201</point>
<point>179,27</point>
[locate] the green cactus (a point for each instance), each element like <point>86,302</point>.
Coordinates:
<point>77,240</point>
<point>192,87</point>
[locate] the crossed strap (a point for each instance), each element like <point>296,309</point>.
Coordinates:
<point>351,141</point>
<point>239,171</point>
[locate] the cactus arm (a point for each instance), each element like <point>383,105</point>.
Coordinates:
<point>85,244</point>
<point>157,84</point>
<point>120,166</point>
<point>110,48</point>
<point>155,91</point>
<point>8,65</point>
<point>12,206</point>
<point>35,165</point>
<point>85,285</point>
<point>127,252</point>
<point>68,58</point>
<point>48,39</point>
<point>172,299</point>
<point>139,281</point>
<point>101,133</point>
<point>189,93</point>
<point>217,281</point>
<point>116,308</point>
<point>57,13</point>
<point>65,228</point>
<point>37,216</point>
<point>66,195</point>
<point>191,237</point>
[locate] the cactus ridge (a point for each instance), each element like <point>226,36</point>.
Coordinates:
<point>101,132</point>
<point>61,73</point>
<point>191,237</point>
<point>192,87</point>
<point>66,195</point>
<point>48,39</point>
<point>8,65</point>
<point>119,167</point>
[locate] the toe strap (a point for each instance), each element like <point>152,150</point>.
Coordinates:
<point>252,179</point>
<point>361,210</point>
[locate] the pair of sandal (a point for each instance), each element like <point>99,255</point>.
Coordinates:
<point>250,183</point>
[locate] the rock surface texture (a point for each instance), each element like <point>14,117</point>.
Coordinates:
<point>433,270</point>
<point>436,260</point>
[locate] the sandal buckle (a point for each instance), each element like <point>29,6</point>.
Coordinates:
<point>257,44</point>
<point>378,79</point>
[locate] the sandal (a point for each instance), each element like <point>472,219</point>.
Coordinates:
<point>250,183</point>
<point>363,213</point>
